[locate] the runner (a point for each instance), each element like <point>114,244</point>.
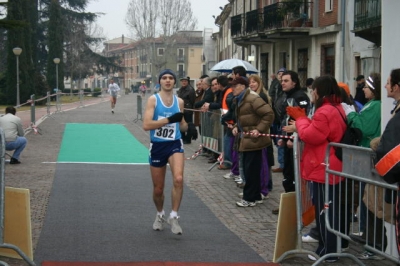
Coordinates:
<point>113,91</point>
<point>164,118</point>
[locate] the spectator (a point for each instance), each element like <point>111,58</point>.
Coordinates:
<point>360,96</point>
<point>257,86</point>
<point>326,125</point>
<point>388,149</point>
<point>369,122</point>
<point>253,117</point>
<point>199,95</point>
<point>188,95</point>
<point>277,100</point>
<point>294,96</point>
<point>13,133</point>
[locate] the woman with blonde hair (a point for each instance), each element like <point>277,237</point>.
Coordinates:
<point>256,85</point>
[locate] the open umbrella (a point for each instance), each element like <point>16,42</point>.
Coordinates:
<point>228,64</point>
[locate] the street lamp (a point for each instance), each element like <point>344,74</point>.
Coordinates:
<point>57,61</point>
<point>17,51</point>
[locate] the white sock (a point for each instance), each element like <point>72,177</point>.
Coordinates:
<point>173,214</point>
<point>162,213</point>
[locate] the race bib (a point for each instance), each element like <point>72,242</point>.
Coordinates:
<point>166,132</point>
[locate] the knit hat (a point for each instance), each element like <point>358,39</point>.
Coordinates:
<point>282,69</point>
<point>345,87</point>
<point>164,72</point>
<point>359,77</point>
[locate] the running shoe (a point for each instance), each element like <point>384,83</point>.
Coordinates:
<point>175,227</point>
<point>158,224</point>
<point>369,256</point>
<point>244,203</point>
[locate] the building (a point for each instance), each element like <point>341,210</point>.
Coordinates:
<point>312,38</point>
<point>144,59</point>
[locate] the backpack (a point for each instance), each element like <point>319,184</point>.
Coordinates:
<point>351,136</point>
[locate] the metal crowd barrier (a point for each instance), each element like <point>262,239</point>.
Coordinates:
<point>2,204</point>
<point>212,133</point>
<point>358,170</point>
<point>45,107</point>
<point>358,173</point>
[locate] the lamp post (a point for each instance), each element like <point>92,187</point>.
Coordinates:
<point>17,51</point>
<point>57,61</point>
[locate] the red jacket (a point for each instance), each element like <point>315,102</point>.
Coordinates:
<point>326,124</point>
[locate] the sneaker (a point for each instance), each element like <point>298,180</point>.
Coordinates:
<point>112,110</point>
<point>264,197</point>
<point>358,234</point>
<point>238,179</point>
<point>230,175</point>
<point>158,224</point>
<point>311,257</point>
<point>369,256</point>
<point>259,201</point>
<point>308,239</point>
<point>14,161</point>
<point>244,203</point>
<point>175,227</point>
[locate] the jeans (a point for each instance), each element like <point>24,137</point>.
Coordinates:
<point>17,146</point>
<point>281,157</point>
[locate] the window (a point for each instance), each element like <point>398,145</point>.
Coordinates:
<point>328,60</point>
<point>160,51</point>
<point>181,52</point>
<point>181,72</point>
<point>328,5</point>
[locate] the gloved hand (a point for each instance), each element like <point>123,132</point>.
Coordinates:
<point>175,118</point>
<point>295,112</point>
<point>348,108</point>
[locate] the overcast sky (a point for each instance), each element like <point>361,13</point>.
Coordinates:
<point>113,21</point>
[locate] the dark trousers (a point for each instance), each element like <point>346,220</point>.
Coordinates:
<point>327,240</point>
<point>188,118</point>
<point>288,171</point>
<point>252,168</point>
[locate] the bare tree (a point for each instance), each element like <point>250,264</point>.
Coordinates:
<point>156,23</point>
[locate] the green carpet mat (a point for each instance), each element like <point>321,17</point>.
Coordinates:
<point>101,143</point>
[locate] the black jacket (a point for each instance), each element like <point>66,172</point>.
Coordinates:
<point>208,98</point>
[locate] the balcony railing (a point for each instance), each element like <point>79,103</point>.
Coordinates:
<point>278,15</point>
<point>288,14</point>
<point>180,58</point>
<point>181,74</point>
<point>236,25</point>
<point>367,14</point>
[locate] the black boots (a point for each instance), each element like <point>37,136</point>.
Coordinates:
<point>14,161</point>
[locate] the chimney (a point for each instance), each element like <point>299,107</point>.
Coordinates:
<point>123,38</point>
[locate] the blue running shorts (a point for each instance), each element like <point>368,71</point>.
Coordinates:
<point>159,152</point>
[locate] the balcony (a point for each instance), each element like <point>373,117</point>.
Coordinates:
<point>368,20</point>
<point>281,20</point>
<point>143,74</point>
<point>180,58</point>
<point>181,74</point>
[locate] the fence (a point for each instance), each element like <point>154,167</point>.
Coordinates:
<point>212,133</point>
<point>2,204</point>
<point>342,201</point>
<point>52,104</point>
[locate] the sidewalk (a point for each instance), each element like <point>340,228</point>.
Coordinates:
<point>255,226</point>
